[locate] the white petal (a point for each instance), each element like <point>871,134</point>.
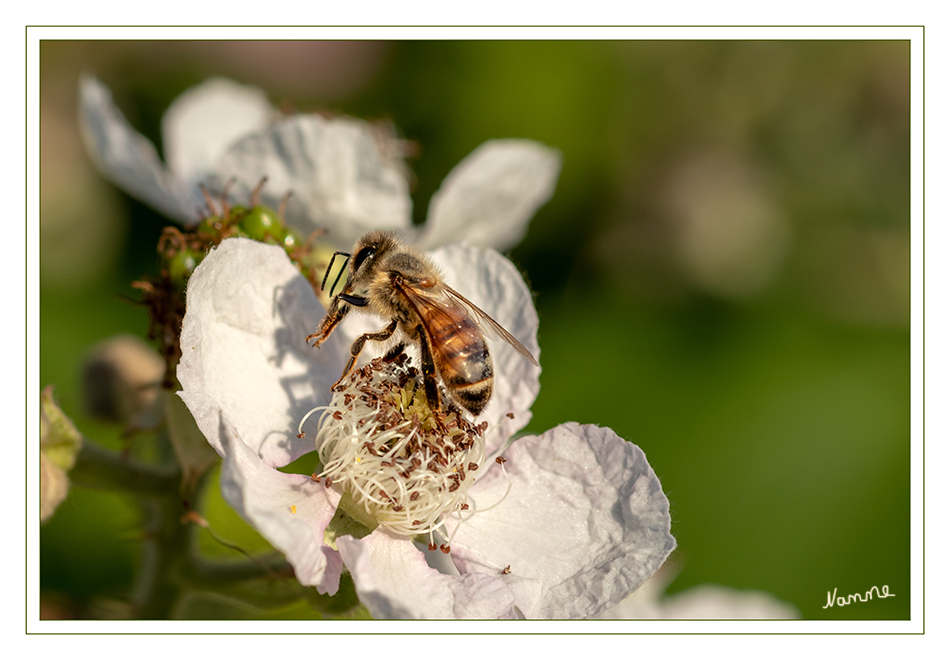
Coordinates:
<point>493,283</point>
<point>244,351</point>
<point>709,601</point>
<point>644,603</point>
<point>586,516</point>
<point>289,510</point>
<point>706,601</point>
<point>205,120</point>
<point>393,581</point>
<point>340,178</point>
<point>490,196</point>
<point>130,160</point>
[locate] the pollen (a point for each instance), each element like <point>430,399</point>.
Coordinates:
<point>293,508</point>
<point>406,466</point>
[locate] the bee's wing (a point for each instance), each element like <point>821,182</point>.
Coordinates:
<point>437,311</point>
<point>489,325</point>
<point>452,330</point>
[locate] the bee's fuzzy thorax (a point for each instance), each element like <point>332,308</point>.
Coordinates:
<point>401,285</point>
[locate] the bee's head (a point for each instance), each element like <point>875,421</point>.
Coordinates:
<point>364,252</point>
<point>368,249</point>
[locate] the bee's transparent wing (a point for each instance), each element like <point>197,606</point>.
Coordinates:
<point>489,326</point>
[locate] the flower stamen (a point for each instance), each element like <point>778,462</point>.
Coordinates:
<point>402,463</point>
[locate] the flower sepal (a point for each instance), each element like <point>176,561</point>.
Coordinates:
<point>350,519</point>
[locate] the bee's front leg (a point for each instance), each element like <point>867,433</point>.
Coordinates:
<point>334,315</point>
<point>357,348</point>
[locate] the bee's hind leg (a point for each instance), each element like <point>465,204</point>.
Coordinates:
<point>428,373</point>
<point>394,352</point>
<point>357,348</point>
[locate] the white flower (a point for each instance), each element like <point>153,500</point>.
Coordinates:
<point>346,175</point>
<point>705,601</point>
<point>585,522</point>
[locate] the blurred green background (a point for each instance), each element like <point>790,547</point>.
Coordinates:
<point>722,276</point>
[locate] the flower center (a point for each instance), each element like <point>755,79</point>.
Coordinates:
<point>402,463</point>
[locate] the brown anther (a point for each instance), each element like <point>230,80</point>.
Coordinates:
<point>445,548</point>
<point>464,506</point>
<point>370,448</point>
<point>301,435</point>
<point>506,570</point>
<point>500,460</point>
<point>315,477</point>
<point>472,467</point>
<point>414,496</point>
<point>510,415</point>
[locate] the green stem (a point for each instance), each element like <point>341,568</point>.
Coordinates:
<point>103,469</point>
<point>167,540</point>
<point>165,547</point>
<point>203,573</point>
<point>169,566</point>
<point>263,583</point>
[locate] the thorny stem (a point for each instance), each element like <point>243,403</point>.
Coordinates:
<point>164,548</point>
<point>169,564</point>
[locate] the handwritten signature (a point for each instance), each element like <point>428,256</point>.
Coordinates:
<point>841,601</point>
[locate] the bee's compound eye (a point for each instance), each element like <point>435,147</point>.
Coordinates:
<point>362,256</point>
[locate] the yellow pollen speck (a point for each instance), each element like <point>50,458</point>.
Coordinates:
<point>293,508</point>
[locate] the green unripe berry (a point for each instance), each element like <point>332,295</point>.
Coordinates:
<point>182,265</point>
<point>292,239</point>
<point>261,222</point>
<point>207,225</point>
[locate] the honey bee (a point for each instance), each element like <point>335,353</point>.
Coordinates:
<point>397,282</point>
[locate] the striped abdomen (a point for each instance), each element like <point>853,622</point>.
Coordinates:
<point>462,359</point>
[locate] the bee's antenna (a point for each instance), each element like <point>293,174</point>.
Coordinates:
<point>323,284</point>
